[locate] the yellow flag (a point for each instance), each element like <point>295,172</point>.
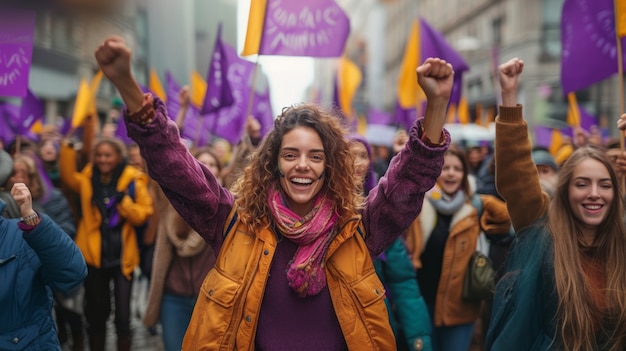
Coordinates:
<point>93,89</point>
<point>198,89</point>
<point>256,21</point>
<point>463,112</point>
<point>37,127</point>
<point>154,84</point>
<point>620,18</point>
<point>479,114</point>
<point>573,113</point>
<point>81,104</point>
<point>555,142</point>
<point>409,92</point>
<point>349,79</point>
<point>451,118</point>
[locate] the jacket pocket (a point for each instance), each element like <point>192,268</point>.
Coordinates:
<point>220,289</point>
<point>368,289</point>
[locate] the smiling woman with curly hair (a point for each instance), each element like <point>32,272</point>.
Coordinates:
<point>295,243</point>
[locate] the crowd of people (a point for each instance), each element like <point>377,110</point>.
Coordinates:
<point>310,238</point>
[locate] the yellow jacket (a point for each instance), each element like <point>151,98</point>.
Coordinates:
<point>450,309</point>
<point>135,212</point>
<point>225,315</point>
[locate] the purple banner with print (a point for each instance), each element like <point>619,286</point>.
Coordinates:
<point>589,48</point>
<point>315,28</point>
<point>16,49</point>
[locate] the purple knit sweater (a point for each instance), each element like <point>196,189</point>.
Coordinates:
<point>287,322</point>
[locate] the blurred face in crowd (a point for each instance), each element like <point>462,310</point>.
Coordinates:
<point>48,151</point>
<point>106,158</point>
<point>301,163</point>
<point>134,158</point>
<point>591,193</point>
<point>210,162</point>
<point>451,176</point>
<point>21,174</point>
<point>361,160</point>
<point>474,157</point>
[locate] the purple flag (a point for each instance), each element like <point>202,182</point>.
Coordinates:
<point>405,116</point>
<point>218,93</point>
<point>16,49</point>
<point>31,111</point>
<point>315,28</point>
<point>191,122</point>
<point>6,131</point>
<point>434,44</point>
<point>588,37</point>
<point>587,120</point>
<point>375,116</point>
<point>229,122</point>
<point>122,133</point>
<point>262,111</point>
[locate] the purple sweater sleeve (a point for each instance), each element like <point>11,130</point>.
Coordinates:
<point>191,188</point>
<point>397,199</point>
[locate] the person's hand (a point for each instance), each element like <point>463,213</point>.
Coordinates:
<point>399,140</point>
<point>23,198</point>
<point>509,73</point>
<point>183,97</point>
<point>113,56</point>
<point>253,127</point>
<point>436,77</point>
<point>621,122</point>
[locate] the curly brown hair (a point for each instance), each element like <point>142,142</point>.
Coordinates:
<point>252,187</point>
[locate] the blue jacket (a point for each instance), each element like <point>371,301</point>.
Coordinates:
<point>525,301</point>
<point>408,314</point>
<point>31,263</point>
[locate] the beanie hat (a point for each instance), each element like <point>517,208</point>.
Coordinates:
<point>542,157</point>
<point>6,167</point>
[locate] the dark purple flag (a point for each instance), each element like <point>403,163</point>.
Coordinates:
<point>405,116</point>
<point>315,28</point>
<point>17,28</point>
<point>122,133</point>
<point>31,111</point>
<point>230,121</point>
<point>375,116</point>
<point>218,93</point>
<point>262,111</point>
<point>589,51</point>
<point>434,44</point>
<point>587,120</point>
<point>6,131</point>
<point>191,123</point>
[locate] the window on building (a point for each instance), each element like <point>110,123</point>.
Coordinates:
<point>551,30</point>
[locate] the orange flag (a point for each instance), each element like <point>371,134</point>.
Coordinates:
<point>154,84</point>
<point>409,92</point>
<point>349,79</point>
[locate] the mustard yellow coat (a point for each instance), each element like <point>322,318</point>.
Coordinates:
<point>226,312</point>
<point>450,309</point>
<point>135,213</point>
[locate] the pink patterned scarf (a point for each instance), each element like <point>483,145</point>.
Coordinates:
<point>313,234</point>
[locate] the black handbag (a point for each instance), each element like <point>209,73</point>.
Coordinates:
<point>479,283</point>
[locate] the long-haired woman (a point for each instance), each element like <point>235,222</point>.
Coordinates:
<point>563,287</point>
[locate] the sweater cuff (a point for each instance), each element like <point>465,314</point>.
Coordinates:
<point>511,113</point>
<point>145,114</point>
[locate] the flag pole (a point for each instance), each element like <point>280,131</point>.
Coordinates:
<point>252,85</point>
